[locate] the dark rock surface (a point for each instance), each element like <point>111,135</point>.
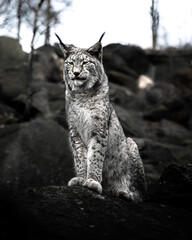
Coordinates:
<point>35,153</point>
<point>175,186</point>
<point>36,162</point>
<point>10,49</point>
<point>57,212</point>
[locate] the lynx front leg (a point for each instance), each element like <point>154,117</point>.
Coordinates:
<point>79,154</point>
<point>95,159</point>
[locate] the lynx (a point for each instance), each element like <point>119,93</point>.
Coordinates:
<point>102,154</point>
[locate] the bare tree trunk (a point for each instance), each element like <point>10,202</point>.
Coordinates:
<point>19,6</point>
<point>48,17</point>
<point>35,28</point>
<point>155,24</point>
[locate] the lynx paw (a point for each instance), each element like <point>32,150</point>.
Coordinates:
<point>130,196</point>
<point>76,181</point>
<point>94,185</point>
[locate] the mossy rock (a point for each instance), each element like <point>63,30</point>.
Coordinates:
<point>11,52</point>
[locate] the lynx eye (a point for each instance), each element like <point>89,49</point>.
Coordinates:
<point>84,62</point>
<point>69,62</point>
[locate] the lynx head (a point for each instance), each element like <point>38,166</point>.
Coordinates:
<point>83,68</point>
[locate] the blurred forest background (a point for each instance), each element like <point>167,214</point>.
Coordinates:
<point>151,90</point>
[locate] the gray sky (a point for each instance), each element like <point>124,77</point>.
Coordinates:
<point>124,21</point>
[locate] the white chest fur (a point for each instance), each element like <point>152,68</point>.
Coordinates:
<point>80,119</point>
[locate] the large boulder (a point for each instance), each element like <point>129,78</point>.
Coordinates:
<point>125,57</point>
<point>183,81</point>
<point>34,154</point>
<point>175,186</point>
<point>37,92</point>
<point>8,115</point>
<point>157,156</point>
<point>56,97</point>
<point>14,75</point>
<point>45,79</point>
<point>13,84</point>
<point>161,100</point>
<point>178,176</point>
<point>49,63</point>
<point>170,132</point>
<point>124,63</point>
<point>11,53</point>
<point>55,212</point>
<point>123,79</point>
<point>131,121</point>
<point>120,95</point>
<point>168,62</point>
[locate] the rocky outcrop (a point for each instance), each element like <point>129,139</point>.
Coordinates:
<point>34,153</point>
<point>151,93</point>
<point>11,53</point>
<point>58,212</point>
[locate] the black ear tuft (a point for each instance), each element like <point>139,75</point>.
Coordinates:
<point>96,49</point>
<point>66,49</point>
<point>61,44</point>
<point>101,37</point>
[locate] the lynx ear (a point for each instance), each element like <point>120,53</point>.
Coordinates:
<point>96,50</point>
<point>66,49</point>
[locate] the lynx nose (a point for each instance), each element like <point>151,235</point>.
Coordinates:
<point>76,71</point>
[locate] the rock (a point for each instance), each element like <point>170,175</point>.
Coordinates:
<point>175,186</point>
<point>157,156</point>
<point>190,122</point>
<point>56,212</point>
<point>42,90</point>
<point>113,61</point>
<point>123,79</point>
<point>34,154</point>
<point>168,62</point>
<point>120,95</point>
<point>121,57</point>
<point>56,97</point>
<point>123,64</point>
<point>157,113</point>
<point>47,96</point>
<point>49,64</point>
<point>12,54</point>
<point>13,84</point>
<point>8,115</point>
<point>162,100</point>
<point>183,79</point>
<point>131,121</point>
<point>144,82</point>
<point>14,74</point>
<point>170,132</point>
<point>178,176</point>
<point>148,98</point>
<point>36,162</point>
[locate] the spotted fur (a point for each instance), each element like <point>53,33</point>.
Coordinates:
<point>102,153</point>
